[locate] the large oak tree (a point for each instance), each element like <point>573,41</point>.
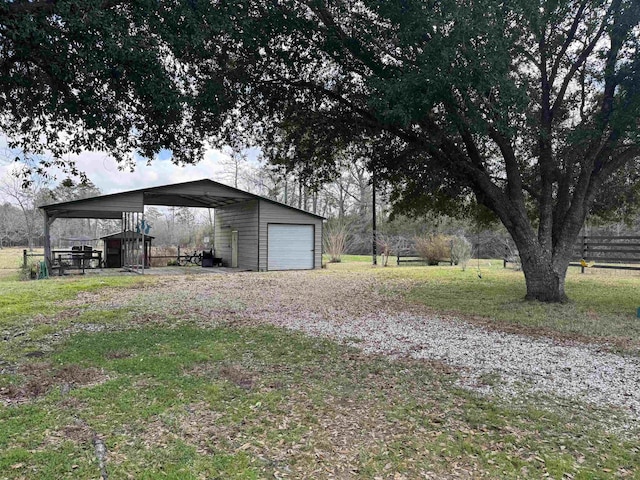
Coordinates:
<point>530,107</point>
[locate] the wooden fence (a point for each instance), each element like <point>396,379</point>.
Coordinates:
<point>27,255</point>
<point>608,251</point>
<point>599,251</point>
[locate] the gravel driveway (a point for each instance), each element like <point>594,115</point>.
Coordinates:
<point>491,361</point>
<point>351,308</point>
<point>523,364</point>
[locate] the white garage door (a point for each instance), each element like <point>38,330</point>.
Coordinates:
<point>290,247</point>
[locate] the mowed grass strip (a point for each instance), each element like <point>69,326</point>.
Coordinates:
<point>260,402</point>
<point>23,299</point>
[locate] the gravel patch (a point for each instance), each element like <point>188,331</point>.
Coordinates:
<point>522,364</point>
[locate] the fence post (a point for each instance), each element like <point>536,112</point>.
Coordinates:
<point>178,260</point>
<point>584,251</point>
<point>24,259</point>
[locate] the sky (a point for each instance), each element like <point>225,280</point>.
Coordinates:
<point>103,170</point>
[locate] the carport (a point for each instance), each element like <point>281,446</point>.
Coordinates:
<point>251,232</point>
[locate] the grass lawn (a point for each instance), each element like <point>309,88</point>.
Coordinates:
<point>603,303</point>
<point>352,258</point>
<point>171,397</point>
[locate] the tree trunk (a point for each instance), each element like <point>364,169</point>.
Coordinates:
<point>545,279</point>
<point>544,261</point>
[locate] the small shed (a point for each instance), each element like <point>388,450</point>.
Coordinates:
<point>114,247</point>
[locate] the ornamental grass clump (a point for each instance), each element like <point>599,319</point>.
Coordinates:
<point>385,247</point>
<point>336,240</point>
<point>460,251</point>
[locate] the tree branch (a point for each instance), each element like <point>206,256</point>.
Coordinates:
<point>557,104</point>
<point>570,37</point>
<point>619,160</point>
<point>514,178</point>
<point>350,44</point>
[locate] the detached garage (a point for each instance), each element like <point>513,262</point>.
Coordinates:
<point>251,232</point>
<point>265,235</point>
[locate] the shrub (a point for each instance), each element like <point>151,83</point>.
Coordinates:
<point>460,251</point>
<point>31,271</point>
<point>385,247</point>
<point>433,248</point>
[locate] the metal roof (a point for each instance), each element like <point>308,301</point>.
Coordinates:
<point>126,234</point>
<point>203,193</point>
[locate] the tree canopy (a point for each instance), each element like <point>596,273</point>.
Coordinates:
<point>107,75</point>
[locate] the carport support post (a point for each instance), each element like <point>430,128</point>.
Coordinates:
<point>47,238</point>
<point>144,243</point>
<point>122,239</point>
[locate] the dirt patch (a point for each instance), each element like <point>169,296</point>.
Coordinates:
<point>231,372</point>
<point>83,299</point>
<point>237,375</point>
<point>37,379</point>
<point>77,375</point>
<point>117,354</point>
<point>78,432</point>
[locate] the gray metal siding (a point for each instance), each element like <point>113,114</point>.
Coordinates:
<point>272,213</point>
<point>243,218</point>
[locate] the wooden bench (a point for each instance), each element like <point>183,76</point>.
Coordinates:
<point>80,260</point>
<point>413,258</point>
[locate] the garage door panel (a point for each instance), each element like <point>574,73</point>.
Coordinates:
<point>290,247</point>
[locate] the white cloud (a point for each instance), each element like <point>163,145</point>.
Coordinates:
<point>103,170</point>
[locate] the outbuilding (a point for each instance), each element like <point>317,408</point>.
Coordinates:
<point>251,232</point>
<point>114,247</point>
